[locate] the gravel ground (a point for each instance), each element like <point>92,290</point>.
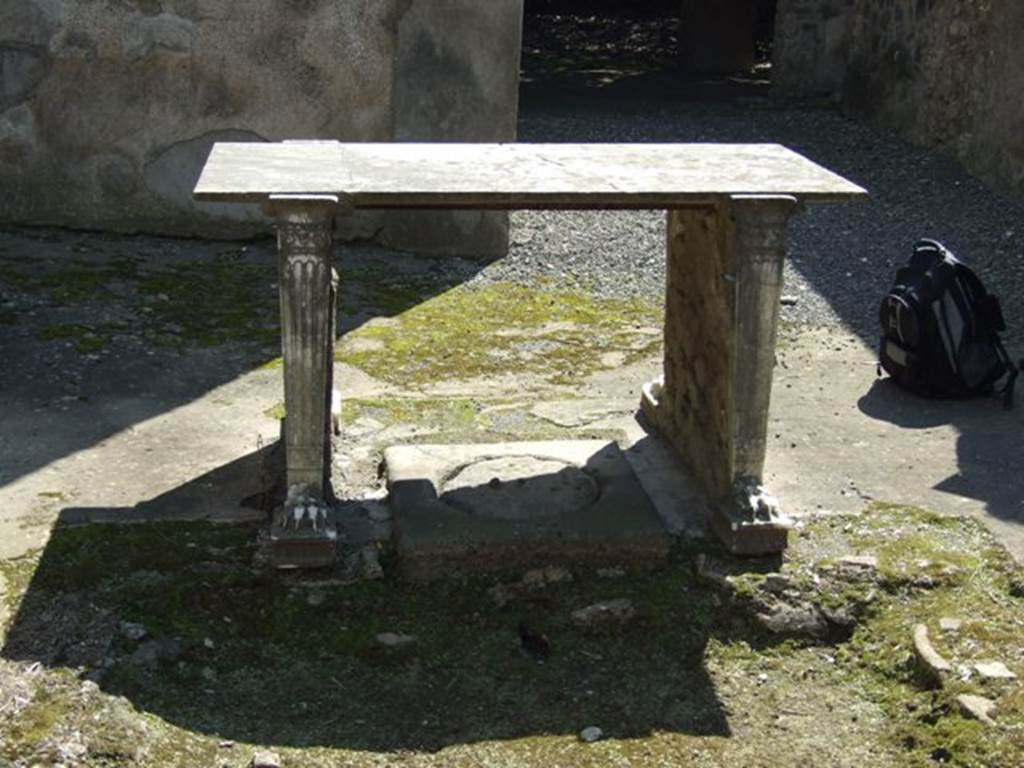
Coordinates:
<point>841,257</point>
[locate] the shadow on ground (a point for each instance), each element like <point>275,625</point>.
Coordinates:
<point>989,443</point>
<point>109,332</point>
<point>236,651</point>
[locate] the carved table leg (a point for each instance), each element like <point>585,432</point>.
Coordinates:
<point>303,533</point>
<point>722,303</point>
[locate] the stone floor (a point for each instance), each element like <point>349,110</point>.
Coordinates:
<point>139,429</point>
<point>117,406</point>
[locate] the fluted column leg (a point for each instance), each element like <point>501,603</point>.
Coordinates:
<point>302,534</point>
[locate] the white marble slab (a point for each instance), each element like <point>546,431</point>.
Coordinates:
<point>518,175</point>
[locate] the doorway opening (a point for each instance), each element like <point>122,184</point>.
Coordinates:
<point>599,43</point>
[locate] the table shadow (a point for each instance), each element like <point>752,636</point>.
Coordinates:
<point>238,651</point>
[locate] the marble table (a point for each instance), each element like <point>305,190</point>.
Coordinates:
<point>727,205</point>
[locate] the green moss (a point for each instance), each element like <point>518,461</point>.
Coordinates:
<point>76,284</point>
<point>36,721</point>
<point>913,543</point>
<point>501,329</point>
<point>460,419</point>
<point>53,495</point>
<point>746,585</point>
<point>265,635</point>
<point>86,339</point>
<point>455,413</point>
<point>13,274</point>
<point>466,690</point>
<point>276,412</point>
<point>213,303</point>
<point>16,576</point>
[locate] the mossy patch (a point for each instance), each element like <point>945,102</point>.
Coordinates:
<point>85,339</point>
<point>276,412</point>
<point>933,566</point>
<point>83,281</point>
<point>202,303</point>
<point>458,419</point>
<point>214,303</point>
<point>244,632</point>
<point>290,660</point>
<point>470,332</point>
<point>37,720</point>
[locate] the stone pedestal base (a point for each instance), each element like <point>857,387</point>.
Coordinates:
<point>747,523</point>
<point>301,549</point>
<point>303,535</point>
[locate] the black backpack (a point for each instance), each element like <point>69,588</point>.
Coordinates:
<point>940,329</point>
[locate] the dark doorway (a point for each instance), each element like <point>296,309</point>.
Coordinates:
<point>597,43</point>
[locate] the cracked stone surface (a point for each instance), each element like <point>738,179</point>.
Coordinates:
<point>493,505</point>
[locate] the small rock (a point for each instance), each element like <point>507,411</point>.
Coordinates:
<point>540,577</point>
<point>865,562</point>
<point>976,707</point>
<point>789,301</point>
<point>924,581</point>
<point>226,744</point>
<point>265,759</point>
<point>615,572</point>
<point>776,583</point>
<point>133,631</point>
<point>503,594</point>
<point>591,733</point>
<point>208,674</point>
<point>395,640</point>
<point>208,644</point>
<point>316,597</point>
<point>152,652</point>
<point>706,571</point>
<point>605,614</point>
<point>785,619</point>
<point>994,670</point>
<point>841,616</point>
<point>933,664</point>
<point>371,563</point>
<point>950,625</point>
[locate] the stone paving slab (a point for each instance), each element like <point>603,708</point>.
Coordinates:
<point>492,506</point>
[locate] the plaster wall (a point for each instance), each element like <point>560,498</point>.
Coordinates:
<point>108,109</point>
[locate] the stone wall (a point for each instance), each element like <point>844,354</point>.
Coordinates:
<point>811,44</point>
<point>108,109</point>
<point>943,73</point>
